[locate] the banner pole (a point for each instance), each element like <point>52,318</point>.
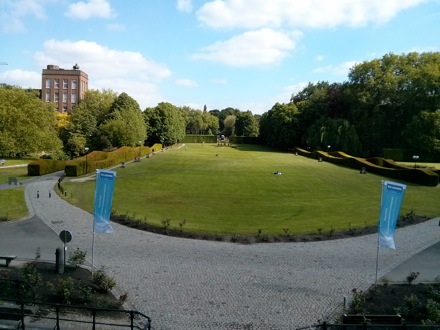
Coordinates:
<point>377,261</point>
<point>93,247</point>
<point>378,245</point>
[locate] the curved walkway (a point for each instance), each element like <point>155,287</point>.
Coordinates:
<point>190,284</point>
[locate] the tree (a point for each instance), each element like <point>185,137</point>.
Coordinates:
<point>85,118</point>
<point>27,125</point>
<point>165,123</point>
<point>125,125</point>
<point>278,126</point>
<point>229,125</point>
<point>423,133</point>
<point>386,93</point>
<point>246,124</point>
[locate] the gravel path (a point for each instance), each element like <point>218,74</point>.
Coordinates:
<point>191,284</point>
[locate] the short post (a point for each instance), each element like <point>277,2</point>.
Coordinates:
<point>59,261</point>
<point>38,194</point>
<point>50,194</point>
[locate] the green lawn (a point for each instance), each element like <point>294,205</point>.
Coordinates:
<point>12,203</point>
<point>236,192</point>
<point>19,172</point>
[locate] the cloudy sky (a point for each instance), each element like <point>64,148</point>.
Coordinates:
<point>246,54</point>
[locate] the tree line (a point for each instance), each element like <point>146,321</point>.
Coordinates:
<point>391,102</point>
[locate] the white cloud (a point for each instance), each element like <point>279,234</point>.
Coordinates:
<point>186,83</point>
<point>147,94</point>
<point>89,9</point>
<point>121,71</point>
<point>13,12</point>
<point>253,14</point>
<point>339,70</point>
<point>22,78</point>
<point>288,90</point>
<point>219,81</point>
<point>253,48</point>
<point>100,61</point>
<point>116,27</point>
<point>184,5</point>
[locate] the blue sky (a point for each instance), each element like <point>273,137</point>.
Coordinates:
<point>245,54</point>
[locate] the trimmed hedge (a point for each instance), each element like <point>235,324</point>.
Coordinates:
<point>45,166</point>
<point>377,165</point>
<point>101,159</point>
<point>199,139</point>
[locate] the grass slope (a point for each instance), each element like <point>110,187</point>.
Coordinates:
<point>12,204</point>
<point>223,190</point>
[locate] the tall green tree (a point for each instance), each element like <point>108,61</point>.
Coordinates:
<point>387,93</point>
<point>278,126</point>
<point>125,125</point>
<point>246,124</point>
<point>85,118</point>
<point>165,123</point>
<point>27,125</point>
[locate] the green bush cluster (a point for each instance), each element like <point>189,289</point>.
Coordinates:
<point>45,166</point>
<point>379,166</point>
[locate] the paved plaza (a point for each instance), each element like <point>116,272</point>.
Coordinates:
<point>194,284</point>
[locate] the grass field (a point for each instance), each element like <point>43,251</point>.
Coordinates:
<point>223,190</point>
<point>12,204</point>
<point>19,172</point>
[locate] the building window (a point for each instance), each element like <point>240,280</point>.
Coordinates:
<point>73,97</point>
<point>65,84</point>
<point>57,83</point>
<point>47,83</point>
<point>48,96</point>
<point>65,97</point>
<point>73,83</point>
<point>57,97</point>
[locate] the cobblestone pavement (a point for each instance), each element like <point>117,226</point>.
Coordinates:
<point>193,284</point>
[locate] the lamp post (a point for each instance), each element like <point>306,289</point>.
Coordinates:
<point>140,149</point>
<point>86,150</point>
<point>328,150</point>
<point>415,158</point>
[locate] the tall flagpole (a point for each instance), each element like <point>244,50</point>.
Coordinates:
<point>378,226</point>
<point>93,246</point>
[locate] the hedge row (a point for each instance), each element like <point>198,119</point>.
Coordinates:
<point>199,139</point>
<point>95,160</point>
<point>213,139</point>
<point>45,166</point>
<point>379,166</point>
<point>101,159</point>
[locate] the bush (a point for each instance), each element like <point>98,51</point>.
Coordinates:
<point>103,281</point>
<point>77,258</point>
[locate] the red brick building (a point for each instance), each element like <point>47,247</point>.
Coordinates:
<point>63,87</point>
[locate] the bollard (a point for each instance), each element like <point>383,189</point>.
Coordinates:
<point>49,193</point>
<point>38,194</point>
<point>59,261</point>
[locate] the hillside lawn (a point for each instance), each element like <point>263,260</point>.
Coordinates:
<point>19,172</point>
<point>233,191</point>
<point>12,204</point>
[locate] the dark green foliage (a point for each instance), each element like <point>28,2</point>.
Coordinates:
<point>165,124</point>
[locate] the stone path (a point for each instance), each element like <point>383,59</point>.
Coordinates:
<point>192,284</point>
